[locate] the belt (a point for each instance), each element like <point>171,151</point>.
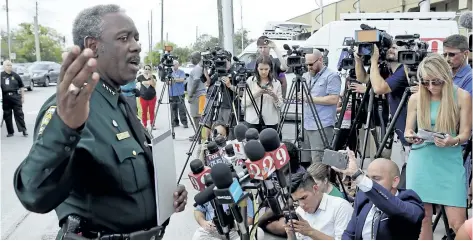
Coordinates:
<point>10,93</point>
<point>75,228</point>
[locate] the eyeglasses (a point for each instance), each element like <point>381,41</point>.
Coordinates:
<point>310,65</point>
<point>435,82</point>
<point>450,54</point>
<point>147,69</point>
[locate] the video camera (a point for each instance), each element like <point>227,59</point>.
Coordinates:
<point>296,58</point>
<point>216,60</point>
<point>368,36</point>
<point>166,63</point>
<point>241,74</point>
<point>416,51</point>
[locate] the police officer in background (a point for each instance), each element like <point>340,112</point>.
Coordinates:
<point>91,159</point>
<point>13,98</point>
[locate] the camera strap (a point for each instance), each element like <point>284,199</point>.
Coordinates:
<point>312,83</point>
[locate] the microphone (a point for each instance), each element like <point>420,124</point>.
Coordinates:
<point>228,191</point>
<point>269,139</point>
<point>239,132</point>
<point>204,196</point>
<point>465,20</point>
<point>235,58</point>
<point>251,134</point>
<point>197,174</point>
<point>214,156</point>
<point>286,47</point>
<point>260,166</point>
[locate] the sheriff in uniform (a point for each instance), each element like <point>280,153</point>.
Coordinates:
<point>98,173</point>
<point>13,97</point>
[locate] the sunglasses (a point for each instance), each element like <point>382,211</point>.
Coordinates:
<point>450,54</point>
<point>435,82</point>
<point>147,69</point>
<point>310,65</point>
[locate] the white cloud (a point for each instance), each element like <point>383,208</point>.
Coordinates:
<point>181,17</point>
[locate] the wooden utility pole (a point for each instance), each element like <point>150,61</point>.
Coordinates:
<point>36,35</point>
<point>220,23</point>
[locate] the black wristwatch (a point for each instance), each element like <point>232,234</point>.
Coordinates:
<point>357,174</point>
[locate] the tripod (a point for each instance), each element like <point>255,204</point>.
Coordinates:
<point>299,86</point>
<point>209,114</point>
<point>167,86</point>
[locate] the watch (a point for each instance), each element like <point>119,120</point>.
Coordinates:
<point>357,174</point>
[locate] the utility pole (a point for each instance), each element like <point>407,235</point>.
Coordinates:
<point>167,37</point>
<point>242,29</point>
<point>196,33</point>
<point>8,32</point>
<point>228,31</point>
<point>220,23</point>
<point>358,8</point>
<point>149,39</point>
<point>151,36</point>
<point>162,25</point>
<point>36,35</point>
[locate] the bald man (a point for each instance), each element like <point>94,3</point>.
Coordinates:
<point>324,87</point>
<point>13,98</point>
<point>382,210</point>
<point>176,96</point>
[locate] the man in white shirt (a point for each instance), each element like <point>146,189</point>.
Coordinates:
<point>321,216</point>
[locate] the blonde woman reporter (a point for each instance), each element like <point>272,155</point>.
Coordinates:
<point>435,169</point>
<point>267,93</point>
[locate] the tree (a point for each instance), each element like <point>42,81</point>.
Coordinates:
<point>205,42</point>
<point>23,43</point>
<point>242,33</point>
<point>182,53</point>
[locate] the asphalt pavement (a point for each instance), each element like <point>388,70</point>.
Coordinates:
<point>18,223</point>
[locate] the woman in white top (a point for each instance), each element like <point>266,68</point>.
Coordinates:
<point>267,94</point>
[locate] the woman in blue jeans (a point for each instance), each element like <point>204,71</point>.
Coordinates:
<point>435,168</point>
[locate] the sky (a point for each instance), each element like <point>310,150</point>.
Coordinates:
<point>181,17</point>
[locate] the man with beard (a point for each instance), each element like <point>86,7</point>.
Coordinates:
<point>91,159</point>
<point>394,86</point>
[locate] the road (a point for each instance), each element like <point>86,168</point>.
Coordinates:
<point>18,223</point>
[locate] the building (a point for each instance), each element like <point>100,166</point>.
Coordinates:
<point>331,12</point>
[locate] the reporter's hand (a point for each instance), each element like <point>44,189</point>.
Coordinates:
<point>375,55</point>
<point>411,137</point>
<point>358,88</point>
<point>208,226</point>
<point>446,142</point>
<point>76,82</point>
<point>414,89</point>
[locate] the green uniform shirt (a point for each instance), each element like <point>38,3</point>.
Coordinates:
<point>335,192</point>
<point>99,173</point>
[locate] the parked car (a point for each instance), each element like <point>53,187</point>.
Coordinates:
<point>24,75</point>
<point>44,72</point>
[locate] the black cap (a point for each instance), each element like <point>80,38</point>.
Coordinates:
<point>269,138</point>
<point>222,175</point>
<point>254,150</point>
<point>197,166</point>
<point>251,134</point>
<point>239,131</point>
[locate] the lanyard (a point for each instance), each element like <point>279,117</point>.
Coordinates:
<point>317,76</point>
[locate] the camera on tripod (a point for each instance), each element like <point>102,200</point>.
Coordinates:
<point>241,74</point>
<point>166,64</point>
<point>368,37</point>
<point>296,58</point>
<point>416,51</point>
<point>216,60</point>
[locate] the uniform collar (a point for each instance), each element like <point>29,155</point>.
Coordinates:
<point>323,202</point>
<point>108,92</point>
<point>463,71</point>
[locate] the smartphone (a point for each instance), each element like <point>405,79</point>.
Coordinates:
<point>336,159</point>
<point>290,215</point>
<point>428,135</point>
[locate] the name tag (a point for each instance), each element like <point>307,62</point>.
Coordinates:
<point>123,135</point>
<point>7,81</point>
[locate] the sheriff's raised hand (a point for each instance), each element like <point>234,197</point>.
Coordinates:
<point>77,81</point>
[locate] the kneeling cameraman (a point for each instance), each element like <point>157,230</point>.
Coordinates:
<point>394,86</point>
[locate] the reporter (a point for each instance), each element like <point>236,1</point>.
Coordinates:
<point>267,93</point>
<point>147,95</point>
<point>435,170</point>
<point>394,86</point>
<point>321,174</point>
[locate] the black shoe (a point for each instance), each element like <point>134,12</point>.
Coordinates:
<point>9,135</point>
<point>185,126</point>
<point>175,125</point>
<point>25,134</point>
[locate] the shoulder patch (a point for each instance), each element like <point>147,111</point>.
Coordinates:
<point>46,119</point>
